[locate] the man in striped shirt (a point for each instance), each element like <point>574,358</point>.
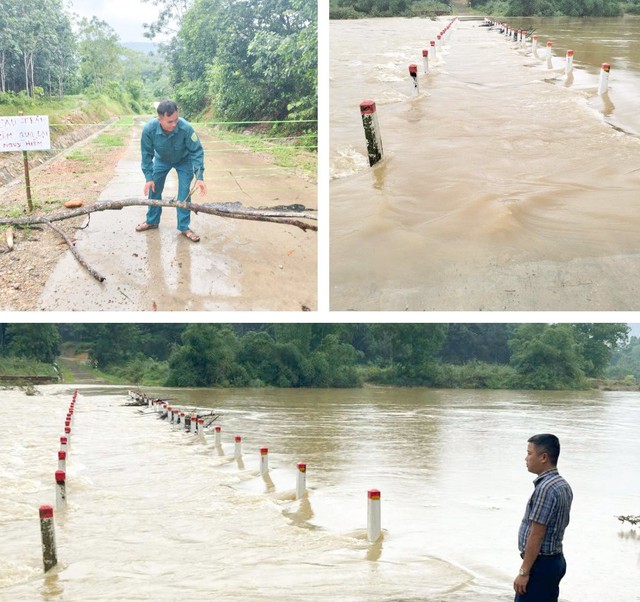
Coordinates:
<point>542,528</point>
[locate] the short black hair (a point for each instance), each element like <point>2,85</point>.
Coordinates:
<point>167,107</point>
<point>547,443</point>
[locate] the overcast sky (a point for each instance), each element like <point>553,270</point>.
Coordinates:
<point>125,16</point>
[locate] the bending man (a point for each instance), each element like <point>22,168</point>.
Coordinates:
<point>169,142</point>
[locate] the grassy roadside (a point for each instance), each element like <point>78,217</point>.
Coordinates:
<point>19,366</point>
<point>296,153</point>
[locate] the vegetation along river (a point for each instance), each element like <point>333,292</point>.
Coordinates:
<point>154,513</point>
<point>504,185</point>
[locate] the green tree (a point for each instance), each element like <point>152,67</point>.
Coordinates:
<point>114,343</point>
<point>100,53</point>
<point>481,342</point>
<point>412,348</point>
<point>206,357</point>
<point>597,342</point>
<point>547,357</point>
<point>36,341</point>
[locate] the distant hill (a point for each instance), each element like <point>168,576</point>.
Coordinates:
<point>144,47</point>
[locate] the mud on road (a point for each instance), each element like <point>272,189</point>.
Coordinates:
<point>238,265</point>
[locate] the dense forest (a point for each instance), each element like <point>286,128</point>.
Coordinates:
<point>230,59</point>
<point>531,356</point>
<point>353,9</point>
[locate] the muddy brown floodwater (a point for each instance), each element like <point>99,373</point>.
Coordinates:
<point>504,186</point>
<point>238,265</point>
<point>155,513</point>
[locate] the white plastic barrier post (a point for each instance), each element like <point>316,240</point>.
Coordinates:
<point>63,444</point>
<point>264,460</point>
<point>604,79</point>
<point>371,131</point>
<point>413,72</point>
<point>201,428</point>
<point>47,530</point>
<point>218,430</point>
<point>434,52</point>
<point>301,480</point>
<point>237,453</point>
<point>61,491</point>
<point>425,60</point>
<point>67,434</point>
<point>534,46</point>
<point>193,425</point>
<point>549,55</point>
<point>62,460</point>
<point>374,528</point>
<point>568,68</point>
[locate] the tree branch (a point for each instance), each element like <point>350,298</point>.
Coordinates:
<point>232,210</point>
<point>76,254</point>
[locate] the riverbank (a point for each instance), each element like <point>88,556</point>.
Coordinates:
<point>474,376</point>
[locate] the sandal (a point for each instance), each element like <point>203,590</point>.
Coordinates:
<point>144,226</point>
<point>191,235</point>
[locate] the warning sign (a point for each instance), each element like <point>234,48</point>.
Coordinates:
<point>24,133</point>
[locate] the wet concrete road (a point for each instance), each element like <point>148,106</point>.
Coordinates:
<point>237,265</point>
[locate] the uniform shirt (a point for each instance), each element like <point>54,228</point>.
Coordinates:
<point>549,505</point>
<point>173,148</point>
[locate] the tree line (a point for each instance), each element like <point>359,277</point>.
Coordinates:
<point>46,53</point>
<point>241,60</point>
<point>224,59</point>
<point>350,9</point>
<point>531,356</point>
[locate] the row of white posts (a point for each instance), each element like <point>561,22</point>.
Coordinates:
<point>520,37</point>
<point>193,424</point>
<point>368,107</point>
<point>47,526</point>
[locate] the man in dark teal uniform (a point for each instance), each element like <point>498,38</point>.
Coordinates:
<point>169,142</point>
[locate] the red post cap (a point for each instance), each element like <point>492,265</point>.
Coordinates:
<point>67,430</point>
<point>264,451</point>
<point>302,467</point>
<point>549,43</point>
<point>46,512</point>
<point>367,107</point>
<point>218,429</point>
<point>62,455</point>
<point>61,477</point>
<point>413,70</point>
<point>238,438</point>
<point>606,67</point>
<point>425,53</point>
<point>63,440</point>
<point>569,52</point>
<point>373,494</point>
<point>432,43</point>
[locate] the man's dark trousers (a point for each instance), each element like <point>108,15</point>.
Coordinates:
<point>544,582</point>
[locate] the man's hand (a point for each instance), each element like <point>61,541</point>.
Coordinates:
<point>520,584</point>
<point>149,186</point>
<point>202,186</point>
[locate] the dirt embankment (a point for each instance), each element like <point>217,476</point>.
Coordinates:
<point>69,129</point>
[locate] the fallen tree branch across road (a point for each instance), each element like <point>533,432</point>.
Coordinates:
<point>289,215</point>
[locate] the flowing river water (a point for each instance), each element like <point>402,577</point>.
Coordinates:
<point>504,185</point>
<point>156,514</point>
